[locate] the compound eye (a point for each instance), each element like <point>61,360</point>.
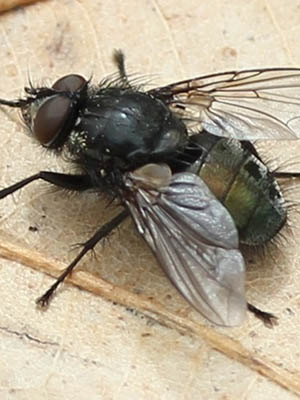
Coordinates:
<point>70,83</point>
<point>51,118</point>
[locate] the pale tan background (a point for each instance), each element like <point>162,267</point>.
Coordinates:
<point>153,346</point>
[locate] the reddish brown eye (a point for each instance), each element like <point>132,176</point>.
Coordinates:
<point>55,116</point>
<point>70,83</point>
<point>51,118</point>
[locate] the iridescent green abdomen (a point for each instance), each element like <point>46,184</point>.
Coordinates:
<point>245,186</point>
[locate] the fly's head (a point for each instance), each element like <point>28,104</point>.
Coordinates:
<point>50,113</point>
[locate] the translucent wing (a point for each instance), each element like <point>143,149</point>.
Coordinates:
<point>194,239</point>
<point>245,105</point>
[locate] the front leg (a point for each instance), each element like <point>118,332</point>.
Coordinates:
<point>66,181</point>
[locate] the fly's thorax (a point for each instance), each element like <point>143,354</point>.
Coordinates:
<point>245,186</point>
<point>129,127</point>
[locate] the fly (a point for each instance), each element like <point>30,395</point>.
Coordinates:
<point>179,158</point>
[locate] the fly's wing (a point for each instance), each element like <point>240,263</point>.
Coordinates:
<point>196,242</point>
<point>244,105</point>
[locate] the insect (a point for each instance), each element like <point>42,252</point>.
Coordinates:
<point>180,160</point>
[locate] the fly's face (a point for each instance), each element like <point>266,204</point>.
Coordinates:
<point>194,197</point>
<point>50,113</point>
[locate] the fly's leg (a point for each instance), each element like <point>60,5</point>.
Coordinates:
<point>32,93</point>
<point>268,319</point>
<point>66,181</point>
<point>72,182</point>
<point>101,233</point>
<point>278,174</point>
